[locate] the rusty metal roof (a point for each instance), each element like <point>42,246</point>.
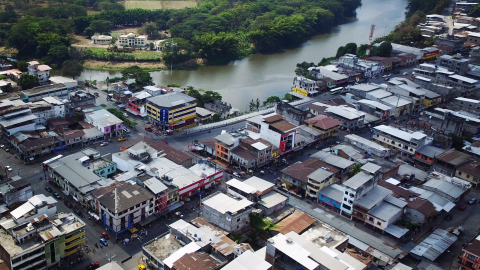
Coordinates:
<point>297,222</point>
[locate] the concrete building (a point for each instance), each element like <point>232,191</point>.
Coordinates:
<point>35,207</point>
<point>274,129</point>
<point>469,171</point>
<point>125,206</point>
<point>222,108</point>
<point>42,242</point>
<point>15,116</point>
<point>42,72</point>
<point>368,68</point>
<point>323,72</point>
<point>370,147</point>
<point>76,174</point>
<point>355,188</point>
<point>174,110</point>
<point>106,122</point>
<point>422,54</point>
<point>227,213</point>
<point>15,191</point>
<point>400,105</point>
<point>404,142</point>
<point>291,113</point>
<point>132,40</point>
<point>466,104</point>
<point>448,161</point>
<point>351,118</point>
<point>293,251</point>
<point>342,164</point>
<point>317,180</point>
<point>326,126</point>
<point>137,104</point>
<point>426,154</point>
<point>305,87</point>
<point>101,39</point>
<point>412,94</point>
<point>470,256</point>
<point>249,261</point>
<point>46,109</point>
<point>361,90</point>
<point>376,108</point>
<point>455,63</point>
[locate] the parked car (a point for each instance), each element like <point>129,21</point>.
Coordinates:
<point>384,76</point>
<point>57,196</point>
<point>472,201</point>
<point>405,73</point>
<point>2,145</point>
<point>6,149</point>
<point>121,139</point>
<point>149,129</point>
<point>462,207</point>
<point>8,168</point>
<point>49,189</point>
<point>68,204</point>
<point>93,265</point>
<point>228,171</point>
<point>448,217</point>
<point>78,211</point>
<point>104,144</point>
<point>103,241</point>
<point>237,175</point>
<point>105,236</point>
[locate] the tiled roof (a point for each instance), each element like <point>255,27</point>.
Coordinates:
<point>471,168</point>
<point>324,122</point>
<point>453,157</point>
<point>273,118</point>
<point>474,246</point>
<point>172,154</point>
<point>283,125</point>
<point>297,222</point>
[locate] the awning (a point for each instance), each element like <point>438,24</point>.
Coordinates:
<point>396,231</point>
<point>133,230</point>
<point>132,111</point>
<point>147,220</point>
<point>447,207</point>
<point>174,206</point>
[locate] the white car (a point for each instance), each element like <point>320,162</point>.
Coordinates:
<point>8,168</point>
<point>104,144</point>
<point>384,76</point>
<point>237,175</point>
<point>2,145</point>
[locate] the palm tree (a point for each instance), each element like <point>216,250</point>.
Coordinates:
<point>356,168</point>
<point>236,237</point>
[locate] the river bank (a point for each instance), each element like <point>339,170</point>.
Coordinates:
<point>264,75</point>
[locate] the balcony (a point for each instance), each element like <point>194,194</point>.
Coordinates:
<point>465,264</point>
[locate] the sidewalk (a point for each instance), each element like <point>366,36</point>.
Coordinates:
<point>380,242</point>
<point>245,116</point>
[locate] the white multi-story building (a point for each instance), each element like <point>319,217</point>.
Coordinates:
<point>274,129</point>
<point>126,205</point>
<point>370,68</point>
<point>41,71</point>
<point>48,108</point>
<point>107,123</point>
<point>36,206</point>
<point>405,142</point>
<point>132,40</point>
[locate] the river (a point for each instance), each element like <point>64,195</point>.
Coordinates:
<point>264,75</point>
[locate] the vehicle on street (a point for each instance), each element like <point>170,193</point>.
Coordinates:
<point>472,201</point>
<point>396,72</point>
<point>121,139</point>
<point>68,204</point>
<point>228,171</point>
<point>78,211</point>
<point>125,114</point>
<point>96,94</point>
<point>104,144</point>
<point>49,189</point>
<point>8,168</point>
<point>93,265</point>
<point>149,129</point>
<point>405,73</point>
<point>104,242</point>
<point>462,207</point>
<point>142,267</point>
<point>448,217</point>
<point>237,175</point>
<point>105,236</point>
<point>384,76</point>
<point>57,196</point>
<point>2,145</point>
<point>6,149</point>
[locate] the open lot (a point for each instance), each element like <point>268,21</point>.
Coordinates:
<point>155,4</point>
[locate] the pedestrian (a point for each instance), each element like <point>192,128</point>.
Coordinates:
<point>94,250</point>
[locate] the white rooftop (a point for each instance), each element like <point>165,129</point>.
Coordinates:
<point>463,78</point>
<point>258,183</point>
<point>396,101</point>
<point>271,199</point>
<point>187,249</point>
<point>223,203</point>
<point>241,186</point>
<point>341,111</point>
<point>248,261</point>
<point>376,104</point>
<point>259,146</point>
<point>400,133</point>
<point>467,100</point>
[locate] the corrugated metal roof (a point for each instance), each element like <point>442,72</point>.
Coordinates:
<point>296,222</point>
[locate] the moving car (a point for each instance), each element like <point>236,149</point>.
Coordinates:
<point>149,129</point>
<point>237,175</point>
<point>104,144</point>
<point>57,196</point>
<point>462,207</point>
<point>8,168</point>
<point>103,241</point>
<point>2,145</point>
<point>78,211</point>
<point>105,236</point>
<point>93,265</point>
<point>448,217</point>
<point>472,201</point>
<point>121,139</point>
<point>228,171</point>
<point>68,204</point>
<point>7,150</point>
<point>49,189</point>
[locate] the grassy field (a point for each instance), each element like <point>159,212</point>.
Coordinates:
<point>160,4</point>
<point>139,55</point>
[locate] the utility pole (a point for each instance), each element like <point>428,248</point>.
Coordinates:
<point>372,28</point>
<point>172,44</point>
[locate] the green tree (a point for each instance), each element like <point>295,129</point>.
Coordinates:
<point>356,168</point>
<point>151,30</point>
<point>351,48</point>
<point>251,105</point>
<point>474,12</point>
<point>260,224</point>
<point>272,100</point>
<point>27,81</point>
<point>236,237</point>
<point>385,49</point>
<point>72,68</point>
<point>340,51</point>
<point>100,26</point>
<point>161,24</point>
<point>136,73</point>
<point>257,103</point>
<point>57,55</point>
<point>22,65</point>
<point>103,105</point>
<point>210,96</point>
<point>458,142</point>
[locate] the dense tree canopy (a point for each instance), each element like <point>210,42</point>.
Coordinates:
<point>72,68</point>
<point>203,96</point>
<point>136,73</point>
<point>27,81</point>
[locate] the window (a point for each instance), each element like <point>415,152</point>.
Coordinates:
<point>379,223</point>
<point>459,173</point>
<point>348,207</point>
<point>370,218</point>
<point>345,199</point>
<point>346,192</point>
<point>238,219</point>
<point>471,257</point>
<point>468,176</point>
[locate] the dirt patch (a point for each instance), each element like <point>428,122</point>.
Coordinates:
<point>114,65</point>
